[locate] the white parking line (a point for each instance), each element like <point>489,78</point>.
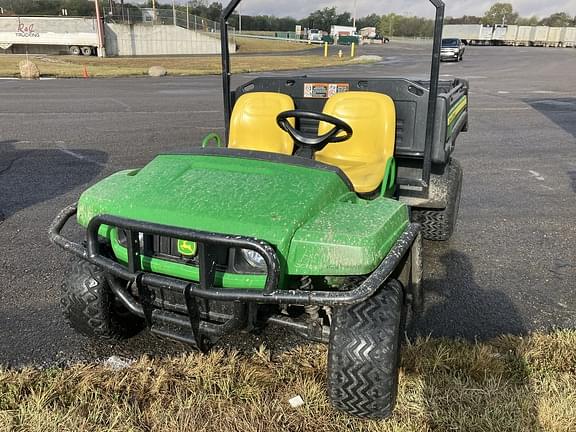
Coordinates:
<point>504,109</point>
<point>79,156</point>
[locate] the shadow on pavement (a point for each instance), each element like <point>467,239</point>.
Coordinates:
<point>457,306</point>
<point>560,110</point>
<point>31,176</point>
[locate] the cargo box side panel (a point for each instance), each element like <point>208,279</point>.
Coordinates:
<point>56,31</point>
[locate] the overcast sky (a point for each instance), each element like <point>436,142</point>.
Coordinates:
<point>301,8</point>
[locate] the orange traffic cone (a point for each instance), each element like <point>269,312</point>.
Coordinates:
<point>85,73</point>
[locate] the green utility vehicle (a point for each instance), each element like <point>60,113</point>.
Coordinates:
<point>310,218</point>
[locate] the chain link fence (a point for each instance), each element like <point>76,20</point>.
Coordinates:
<point>177,17</point>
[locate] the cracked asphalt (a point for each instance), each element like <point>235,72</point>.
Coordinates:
<point>510,268</point>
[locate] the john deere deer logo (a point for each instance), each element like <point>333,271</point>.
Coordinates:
<point>187,248</point>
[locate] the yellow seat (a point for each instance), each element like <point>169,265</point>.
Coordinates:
<point>363,157</point>
<point>253,123</point>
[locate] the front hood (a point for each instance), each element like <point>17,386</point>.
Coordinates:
<point>215,193</point>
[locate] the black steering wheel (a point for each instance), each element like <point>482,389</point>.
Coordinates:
<point>314,142</point>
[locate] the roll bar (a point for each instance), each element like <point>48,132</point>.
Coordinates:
<point>434,78</point>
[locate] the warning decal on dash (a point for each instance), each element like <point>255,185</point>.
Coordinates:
<point>324,90</point>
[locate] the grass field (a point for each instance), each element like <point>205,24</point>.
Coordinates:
<point>508,384</point>
<point>72,67</point>
<point>253,45</point>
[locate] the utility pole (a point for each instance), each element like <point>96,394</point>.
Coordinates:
<point>174,12</point>
<point>100,27</point>
<point>354,16</point>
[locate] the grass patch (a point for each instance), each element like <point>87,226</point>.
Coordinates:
<point>72,67</point>
<point>508,384</point>
<point>253,45</point>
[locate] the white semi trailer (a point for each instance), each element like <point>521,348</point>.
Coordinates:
<point>504,34</point>
<point>569,37</point>
<point>49,34</point>
<point>554,37</point>
<point>524,35</point>
<point>473,34</point>
<point>539,36</point>
<point>512,35</point>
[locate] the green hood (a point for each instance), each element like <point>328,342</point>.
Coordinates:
<point>247,197</point>
<point>308,213</point>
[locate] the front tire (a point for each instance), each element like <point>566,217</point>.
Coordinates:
<point>89,305</point>
<point>364,354</point>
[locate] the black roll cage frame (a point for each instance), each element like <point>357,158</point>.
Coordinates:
<point>432,99</point>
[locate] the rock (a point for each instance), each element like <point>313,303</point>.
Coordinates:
<point>28,70</point>
<point>157,71</point>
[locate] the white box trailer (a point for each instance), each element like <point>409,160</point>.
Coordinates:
<point>486,34</point>
<point>504,34</point>
<point>554,36</point>
<point>524,35</point>
<point>467,32</point>
<point>74,35</point>
<point>539,36</point>
<point>569,37</point>
<point>473,34</point>
<point>511,34</point>
<point>499,33</point>
<point>337,30</point>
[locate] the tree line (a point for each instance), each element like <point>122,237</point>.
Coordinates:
<point>504,13</point>
<point>388,25</point>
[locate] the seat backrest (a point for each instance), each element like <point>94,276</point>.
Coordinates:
<point>253,123</point>
<point>364,156</point>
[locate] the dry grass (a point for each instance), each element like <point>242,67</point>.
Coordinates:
<point>72,67</point>
<point>253,45</point>
<point>509,384</point>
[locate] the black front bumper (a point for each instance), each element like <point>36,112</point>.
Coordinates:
<point>205,289</point>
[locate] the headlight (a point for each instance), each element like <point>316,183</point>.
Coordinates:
<point>254,258</point>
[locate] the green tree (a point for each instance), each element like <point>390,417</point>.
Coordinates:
<point>387,24</point>
<point>344,19</point>
<point>398,25</point>
<point>500,13</point>
<point>48,7</point>
<point>321,19</point>
<point>466,19</point>
<point>372,20</point>
<point>532,21</point>
<point>559,19</point>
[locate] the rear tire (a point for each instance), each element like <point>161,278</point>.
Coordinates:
<point>89,305</point>
<point>75,50</point>
<point>87,51</point>
<point>439,224</point>
<point>364,354</point>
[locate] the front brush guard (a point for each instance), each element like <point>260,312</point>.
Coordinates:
<point>205,289</point>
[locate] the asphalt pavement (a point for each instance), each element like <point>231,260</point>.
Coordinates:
<point>510,268</point>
